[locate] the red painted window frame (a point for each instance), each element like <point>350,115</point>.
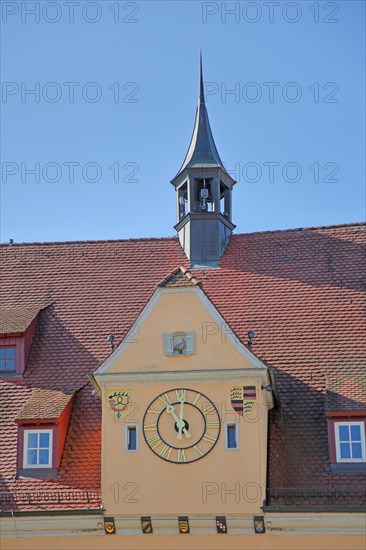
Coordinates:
<point>22,342</point>
<point>18,343</point>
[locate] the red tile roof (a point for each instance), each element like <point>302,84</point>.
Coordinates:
<point>301,291</point>
<point>16,320</point>
<point>346,392</point>
<point>181,276</point>
<point>44,404</point>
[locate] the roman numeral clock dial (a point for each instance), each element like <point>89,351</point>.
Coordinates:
<point>181,425</point>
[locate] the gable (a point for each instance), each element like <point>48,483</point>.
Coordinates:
<point>179,310</point>
<point>298,290</point>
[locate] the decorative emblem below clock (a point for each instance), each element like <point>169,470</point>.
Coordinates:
<point>181,425</point>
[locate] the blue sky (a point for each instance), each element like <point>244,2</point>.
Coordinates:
<point>105,146</point>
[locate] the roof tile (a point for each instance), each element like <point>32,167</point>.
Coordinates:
<point>44,404</point>
<point>296,289</point>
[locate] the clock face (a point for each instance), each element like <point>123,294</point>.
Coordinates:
<point>181,425</point>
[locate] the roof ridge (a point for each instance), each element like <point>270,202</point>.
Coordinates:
<point>175,238</point>
<point>99,241</point>
<point>181,271</point>
<point>307,228</point>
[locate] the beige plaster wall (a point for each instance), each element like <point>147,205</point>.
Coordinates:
<point>179,312</point>
<point>221,482</point>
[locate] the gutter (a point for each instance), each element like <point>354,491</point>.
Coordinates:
<point>20,513</point>
<point>95,385</point>
<point>272,379</point>
<point>312,509</point>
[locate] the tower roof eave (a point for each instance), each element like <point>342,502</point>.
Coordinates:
<point>203,171</point>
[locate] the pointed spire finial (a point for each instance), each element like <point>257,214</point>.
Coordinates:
<point>202,150</point>
<point>201,96</point>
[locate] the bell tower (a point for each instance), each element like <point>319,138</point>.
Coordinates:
<point>203,194</point>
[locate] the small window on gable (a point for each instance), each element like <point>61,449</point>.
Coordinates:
<point>37,449</point>
<point>350,441</point>
<point>131,438</point>
<point>179,343</point>
<point>231,436</point>
<point>7,358</point>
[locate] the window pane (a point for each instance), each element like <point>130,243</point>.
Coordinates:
<point>10,364</point>
<point>32,441</point>
<point>356,450</point>
<point>2,353</point>
<point>355,433</point>
<point>2,364</point>
<point>345,450</point>
<point>32,457</point>
<point>343,433</point>
<point>10,353</point>
<point>231,437</point>
<point>43,456</point>
<point>132,439</point>
<point>44,440</point>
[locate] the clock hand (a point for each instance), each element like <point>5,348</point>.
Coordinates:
<point>181,413</point>
<point>170,409</point>
<point>186,433</point>
<point>180,422</point>
<point>181,409</point>
<point>182,401</point>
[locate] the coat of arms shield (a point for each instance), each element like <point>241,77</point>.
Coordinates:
<point>118,401</point>
<point>242,399</point>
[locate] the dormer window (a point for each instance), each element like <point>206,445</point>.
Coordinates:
<point>7,358</point>
<point>17,327</point>
<point>350,441</point>
<point>346,419</point>
<point>179,343</point>
<point>347,441</point>
<point>42,427</point>
<point>37,449</point>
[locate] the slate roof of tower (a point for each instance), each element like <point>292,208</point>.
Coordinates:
<point>202,151</point>
<point>301,291</point>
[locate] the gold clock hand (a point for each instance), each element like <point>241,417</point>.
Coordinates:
<point>181,397</point>
<point>171,410</point>
<point>186,433</point>
<point>181,411</point>
<point>180,423</point>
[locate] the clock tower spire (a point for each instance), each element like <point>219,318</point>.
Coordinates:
<point>203,191</point>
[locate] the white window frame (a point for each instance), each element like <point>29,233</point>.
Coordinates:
<point>226,426</point>
<point>136,427</point>
<point>25,449</point>
<point>338,446</point>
